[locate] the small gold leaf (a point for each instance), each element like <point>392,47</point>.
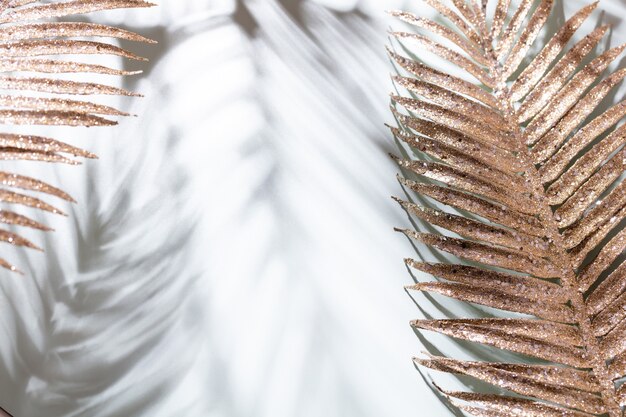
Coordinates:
<point>66,29</point>
<point>55,86</point>
<point>532,74</point>
<point>47,11</point>
<point>52,66</point>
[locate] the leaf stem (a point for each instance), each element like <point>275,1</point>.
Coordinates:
<point>569,279</point>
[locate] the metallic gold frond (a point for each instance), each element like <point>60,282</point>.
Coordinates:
<point>33,40</point>
<point>526,168</point>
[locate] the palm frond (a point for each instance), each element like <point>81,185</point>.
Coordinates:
<point>526,165</point>
<point>32,44</point>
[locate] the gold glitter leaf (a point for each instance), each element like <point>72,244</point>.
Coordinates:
<point>41,144</point>
<point>524,385</point>
<point>499,17</point>
<point>32,31</point>
<point>11,197</point>
<point>558,105</point>
<point>500,406</point>
<point>468,31</point>
<point>520,185</point>
<point>63,9</point>
<point>532,74</point>
<point>591,272</point>
<point>465,181</point>
<point>470,48</point>
<point>40,103</point>
<point>56,67</point>
<point>471,147</point>
<point>468,12</point>
<point>489,255</point>
<point>526,39</point>
<point>62,47</point>
<point>28,49</point>
<point>558,75</point>
<point>55,86</point>
<point>533,288</point>
<point>591,242</point>
<point>495,299</point>
<point>463,124</point>
<point>448,54</point>
<point>9,217</point>
<point>503,45</point>
<point>568,355</point>
<point>458,159</point>
<point>433,76</point>
<point>602,211</point>
<point>549,375</point>
<point>608,291</point>
<point>476,230</point>
<point>497,213</point>
<point>576,205</point>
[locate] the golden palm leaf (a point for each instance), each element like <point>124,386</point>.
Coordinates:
<point>32,40</point>
<point>533,170</point>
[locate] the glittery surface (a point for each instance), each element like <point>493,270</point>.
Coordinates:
<point>12,197</point>
<point>32,31</point>
<point>494,135</point>
<point>61,9</point>
<point>525,385</point>
<point>497,213</point>
<point>601,212</point>
<point>431,75</point>
<point>499,17</point>
<point>458,22</point>
<point>545,149</point>
<point>587,164</point>
<point>533,72</point>
<point>576,205</point>
<point>535,289</point>
<point>582,138</point>
<point>28,46</point>
<point>610,252</point>
<point>580,252</point>
<point>468,46</point>
<point>454,57</point>
<point>502,339</point>
<point>62,47</point>
<point>473,184</point>
<point>454,102</point>
<point>526,39</point>
<point>554,80</point>
<point>460,160</point>
<point>55,86</point>
<point>480,231</point>
<point>608,291</point>
<point>568,96</point>
<point>511,30</point>
<point>40,144</point>
<point>8,217</point>
<point>482,151</point>
<point>497,406</point>
<point>489,255</point>
<point>54,67</point>
<point>61,105</point>
<point>542,171</point>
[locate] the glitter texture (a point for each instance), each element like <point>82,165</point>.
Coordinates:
<point>535,172</point>
<point>29,46</point>
<point>532,74</point>
<point>558,75</point>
